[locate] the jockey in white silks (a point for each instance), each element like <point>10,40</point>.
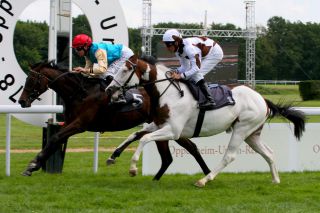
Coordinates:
<point>197,56</point>
<point>103,60</point>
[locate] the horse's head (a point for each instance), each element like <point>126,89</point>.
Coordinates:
<point>134,71</point>
<point>36,84</point>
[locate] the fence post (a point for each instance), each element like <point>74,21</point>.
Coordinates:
<point>55,162</point>
<point>8,143</point>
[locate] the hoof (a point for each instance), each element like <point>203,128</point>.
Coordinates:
<point>275,181</point>
<point>26,173</point>
<point>110,161</point>
<point>31,168</point>
<point>199,184</point>
<point>133,172</point>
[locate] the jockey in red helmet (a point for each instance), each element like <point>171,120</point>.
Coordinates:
<point>103,60</point>
<point>80,41</point>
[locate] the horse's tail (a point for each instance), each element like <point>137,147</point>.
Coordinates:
<point>297,117</point>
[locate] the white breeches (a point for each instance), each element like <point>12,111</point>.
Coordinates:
<point>214,56</point>
<point>115,66</point>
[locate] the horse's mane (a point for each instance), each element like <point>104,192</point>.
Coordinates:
<point>162,67</point>
<point>153,61</point>
<point>49,64</point>
<point>149,59</point>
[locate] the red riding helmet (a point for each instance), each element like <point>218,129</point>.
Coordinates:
<point>81,40</point>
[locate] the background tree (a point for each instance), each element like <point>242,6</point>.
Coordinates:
<point>284,50</point>
<point>30,43</point>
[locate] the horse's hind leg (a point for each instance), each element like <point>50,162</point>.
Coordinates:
<point>254,141</point>
<point>133,137</point>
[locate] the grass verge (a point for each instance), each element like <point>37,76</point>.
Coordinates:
<point>78,189</point>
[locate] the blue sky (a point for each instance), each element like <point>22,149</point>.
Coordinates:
<point>222,11</point>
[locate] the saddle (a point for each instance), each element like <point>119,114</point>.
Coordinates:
<point>221,94</point>
<point>134,101</point>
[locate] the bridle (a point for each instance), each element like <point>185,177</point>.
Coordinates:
<point>176,84</point>
<point>134,67</point>
<point>35,93</point>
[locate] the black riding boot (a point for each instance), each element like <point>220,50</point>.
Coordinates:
<point>121,99</point>
<point>117,96</point>
<point>108,80</point>
<point>209,104</point>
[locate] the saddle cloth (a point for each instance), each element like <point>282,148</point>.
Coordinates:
<point>133,97</point>
<point>134,101</point>
<point>221,94</point>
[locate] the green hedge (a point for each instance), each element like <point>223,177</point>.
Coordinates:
<point>309,90</point>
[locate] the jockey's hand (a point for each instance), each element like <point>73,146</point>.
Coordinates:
<point>176,75</point>
<point>78,69</point>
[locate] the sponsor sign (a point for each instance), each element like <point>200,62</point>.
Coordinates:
<point>290,154</point>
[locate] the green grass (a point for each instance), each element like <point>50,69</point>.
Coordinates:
<point>290,94</point>
<point>78,189</point>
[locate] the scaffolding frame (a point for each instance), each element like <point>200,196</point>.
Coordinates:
<point>147,31</point>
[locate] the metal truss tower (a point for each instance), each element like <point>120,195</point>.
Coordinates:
<point>146,30</point>
<point>249,34</point>
<point>250,43</point>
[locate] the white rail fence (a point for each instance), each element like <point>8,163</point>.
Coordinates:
<point>9,109</point>
<point>273,82</point>
<point>13,109</point>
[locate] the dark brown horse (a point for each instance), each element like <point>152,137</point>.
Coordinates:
<point>87,108</point>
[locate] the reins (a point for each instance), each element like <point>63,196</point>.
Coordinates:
<point>59,76</point>
<point>134,66</point>
<point>172,81</point>
<point>52,82</point>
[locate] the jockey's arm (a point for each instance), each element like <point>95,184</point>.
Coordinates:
<point>88,65</point>
<point>102,64</point>
<point>195,63</point>
<point>184,64</point>
<point>98,68</point>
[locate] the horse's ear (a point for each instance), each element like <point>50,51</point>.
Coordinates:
<point>134,58</point>
<point>149,58</point>
<point>176,38</point>
<point>52,63</point>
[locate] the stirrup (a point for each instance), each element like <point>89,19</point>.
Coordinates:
<point>207,105</point>
<point>120,100</point>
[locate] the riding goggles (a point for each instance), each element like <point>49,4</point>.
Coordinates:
<point>169,43</point>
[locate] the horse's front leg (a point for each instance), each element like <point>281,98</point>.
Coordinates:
<point>167,159</point>
<point>51,147</point>
<point>164,134</point>
<point>147,128</point>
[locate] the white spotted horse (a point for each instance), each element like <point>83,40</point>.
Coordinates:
<point>177,115</point>
<point>87,108</point>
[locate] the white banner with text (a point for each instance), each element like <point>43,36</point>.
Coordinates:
<point>290,154</point>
